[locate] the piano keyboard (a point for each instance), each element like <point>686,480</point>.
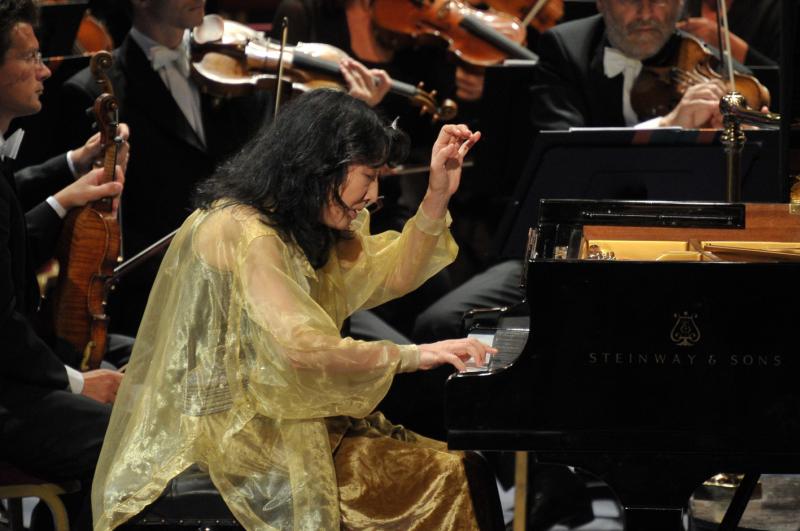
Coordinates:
<point>508,341</point>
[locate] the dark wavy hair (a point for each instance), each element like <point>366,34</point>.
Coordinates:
<point>12,12</point>
<point>290,169</point>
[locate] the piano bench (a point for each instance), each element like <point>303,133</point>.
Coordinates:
<point>190,501</point>
<point>16,484</point>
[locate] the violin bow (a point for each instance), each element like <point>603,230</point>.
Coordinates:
<point>725,41</point>
<point>279,80</point>
<point>533,12</point>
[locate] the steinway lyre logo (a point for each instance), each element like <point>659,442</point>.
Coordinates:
<point>685,332</point>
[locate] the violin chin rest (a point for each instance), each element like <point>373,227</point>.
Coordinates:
<point>212,29</point>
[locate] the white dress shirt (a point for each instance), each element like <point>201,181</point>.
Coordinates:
<point>173,67</point>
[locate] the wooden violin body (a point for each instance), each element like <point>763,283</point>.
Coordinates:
<point>548,16</point>
<point>87,255</point>
<point>89,248</point>
<point>659,89</point>
<point>479,38</point>
<point>230,59</point>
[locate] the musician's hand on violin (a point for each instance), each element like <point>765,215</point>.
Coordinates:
<point>469,84</point>
<point>706,29</point>
<point>367,85</point>
<point>88,155</point>
<point>455,352</point>
<point>86,189</point>
<point>699,107</point>
<point>101,385</point>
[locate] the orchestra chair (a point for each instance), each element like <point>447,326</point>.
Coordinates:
<point>16,484</point>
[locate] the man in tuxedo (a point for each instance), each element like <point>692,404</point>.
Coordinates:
<point>587,69</point>
<point>52,418</point>
<point>180,133</point>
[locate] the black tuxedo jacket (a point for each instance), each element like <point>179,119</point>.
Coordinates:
<point>570,88</point>
<point>167,158</point>
<point>28,366</point>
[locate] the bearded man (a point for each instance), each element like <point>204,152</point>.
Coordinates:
<point>588,67</point>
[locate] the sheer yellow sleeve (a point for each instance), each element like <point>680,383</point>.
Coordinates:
<point>239,361</point>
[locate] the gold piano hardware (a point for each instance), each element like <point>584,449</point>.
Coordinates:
<point>772,234</point>
<point>794,195</point>
<point>596,253</point>
<point>685,251</point>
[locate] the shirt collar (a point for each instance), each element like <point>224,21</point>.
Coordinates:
<point>147,44</point>
<point>10,147</point>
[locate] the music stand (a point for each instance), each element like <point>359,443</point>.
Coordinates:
<point>504,120</point>
<point>635,164</point>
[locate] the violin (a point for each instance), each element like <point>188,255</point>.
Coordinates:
<point>479,38</point>
<point>231,59</point>
<point>89,248</point>
<point>658,89</point>
<point>547,15</point>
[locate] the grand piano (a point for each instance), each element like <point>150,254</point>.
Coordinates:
<point>662,349</point>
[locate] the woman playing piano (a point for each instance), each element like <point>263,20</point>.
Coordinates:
<point>239,366</point>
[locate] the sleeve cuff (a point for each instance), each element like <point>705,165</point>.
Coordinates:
<point>71,165</point>
<point>409,358</point>
<point>60,210</point>
<point>75,380</point>
<point>433,227</point>
<point>652,123</point>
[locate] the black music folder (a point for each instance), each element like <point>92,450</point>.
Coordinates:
<point>636,164</point>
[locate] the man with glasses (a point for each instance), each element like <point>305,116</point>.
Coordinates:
<point>52,418</point>
<point>588,67</point>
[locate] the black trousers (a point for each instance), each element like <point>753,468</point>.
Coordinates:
<point>55,435</point>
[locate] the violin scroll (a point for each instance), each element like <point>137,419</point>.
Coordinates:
<point>99,65</point>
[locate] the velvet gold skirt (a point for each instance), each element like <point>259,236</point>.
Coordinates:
<point>393,478</point>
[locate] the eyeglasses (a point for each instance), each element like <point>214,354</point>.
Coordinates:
<point>34,58</point>
<point>656,3</point>
<point>374,206</point>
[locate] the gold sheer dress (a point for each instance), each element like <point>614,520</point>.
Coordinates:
<point>239,367</point>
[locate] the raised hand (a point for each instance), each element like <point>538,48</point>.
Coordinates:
<point>447,160</point>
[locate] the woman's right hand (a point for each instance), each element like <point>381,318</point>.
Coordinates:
<point>455,352</point>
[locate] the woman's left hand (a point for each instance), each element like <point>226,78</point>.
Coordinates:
<point>447,158</point>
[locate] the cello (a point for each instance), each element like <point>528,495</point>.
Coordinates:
<point>89,248</point>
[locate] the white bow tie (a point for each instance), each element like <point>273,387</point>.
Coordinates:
<point>161,56</point>
<point>10,146</point>
<point>615,63</point>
